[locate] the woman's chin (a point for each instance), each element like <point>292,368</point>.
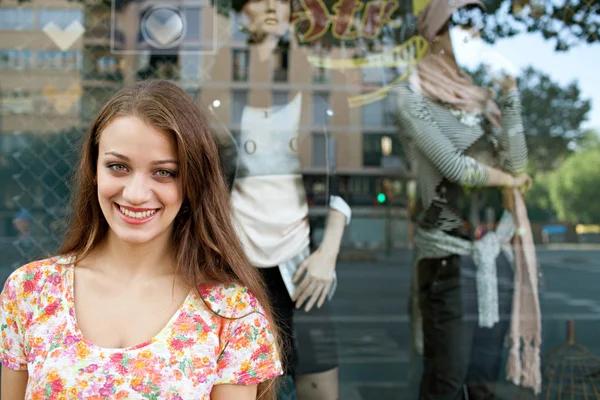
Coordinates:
<point>134,238</point>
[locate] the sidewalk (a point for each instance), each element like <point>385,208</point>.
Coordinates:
<point>569,246</point>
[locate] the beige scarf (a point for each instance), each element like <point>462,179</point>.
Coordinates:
<point>436,79</point>
<point>523,367</point>
<point>439,80</point>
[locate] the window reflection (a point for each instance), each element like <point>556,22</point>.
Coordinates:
<point>320,108</point>
<point>17,19</point>
<point>280,66</point>
<point>193,18</point>
<point>16,59</point>
<point>190,65</point>
<point>17,101</point>
<point>61,17</point>
<point>239,100</point>
<point>560,121</point>
<point>240,60</point>
<point>280,98</point>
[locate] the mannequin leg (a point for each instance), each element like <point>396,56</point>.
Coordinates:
<point>318,386</point>
<point>447,337</point>
<point>283,314</point>
<point>317,368</point>
<point>488,345</point>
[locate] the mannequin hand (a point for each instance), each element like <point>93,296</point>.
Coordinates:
<point>506,83</point>
<point>523,182</point>
<point>314,278</point>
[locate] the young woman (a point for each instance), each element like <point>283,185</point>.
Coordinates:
<point>151,295</point>
<point>469,156</point>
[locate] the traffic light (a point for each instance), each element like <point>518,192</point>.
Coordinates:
<point>381,198</point>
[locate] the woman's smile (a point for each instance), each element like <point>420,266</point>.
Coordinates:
<point>136,216</point>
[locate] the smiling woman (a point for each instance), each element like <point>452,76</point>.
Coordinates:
<point>138,189</point>
<point>151,294</point>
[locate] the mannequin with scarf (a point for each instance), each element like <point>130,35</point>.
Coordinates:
<point>268,194</point>
<point>474,253</point>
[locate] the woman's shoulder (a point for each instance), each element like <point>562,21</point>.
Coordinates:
<point>405,89</point>
<point>38,269</point>
<point>28,280</point>
<point>406,97</point>
<point>231,300</point>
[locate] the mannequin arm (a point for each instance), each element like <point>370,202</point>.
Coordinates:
<point>334,230</point>
<point>512,137</point>
<point>314,276</point>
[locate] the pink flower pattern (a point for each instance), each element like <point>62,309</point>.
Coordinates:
<point>194,352</point>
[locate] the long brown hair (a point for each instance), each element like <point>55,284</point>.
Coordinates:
<point>207,247</point>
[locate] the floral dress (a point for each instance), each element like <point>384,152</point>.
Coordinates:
<point>194,351</point>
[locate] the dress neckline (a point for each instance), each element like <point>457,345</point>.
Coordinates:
<point>69,263</point>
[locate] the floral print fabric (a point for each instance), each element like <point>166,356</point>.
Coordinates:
<point>195,350</point>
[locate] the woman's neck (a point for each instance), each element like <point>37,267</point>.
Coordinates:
<point>266,48</point>
<point>446,54</point>
<point>133,261</point>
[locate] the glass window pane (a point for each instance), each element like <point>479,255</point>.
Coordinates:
<point>193,20</point>
<point>19,19</point>
<point>523,97</point>
<point>280,98</point>
<point>238,34</point>
<point>320,108</point>
<point>191,65</point>
<point>239,101</point>
<point>373,114</point>
<point>240,65</point>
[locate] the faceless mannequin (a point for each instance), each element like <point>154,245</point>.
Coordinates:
<point>483,137</point>
<point>269,198</point>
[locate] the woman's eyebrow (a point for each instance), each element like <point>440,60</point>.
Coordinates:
<point>168,161</point>
<point>125,158</point>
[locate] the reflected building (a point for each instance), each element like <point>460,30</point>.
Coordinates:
<point>40,91</point>
<point>214,64</point>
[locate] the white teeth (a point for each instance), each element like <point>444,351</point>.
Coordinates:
<point>137,215</point>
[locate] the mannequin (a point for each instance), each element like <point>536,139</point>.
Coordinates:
<point>269,201</point>
<point>469,154</point>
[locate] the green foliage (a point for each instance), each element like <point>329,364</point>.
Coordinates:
<point>574,188</point>
<point>552,117</point>
<point>539,203</point>
<point>568,22</point>
<point>589,140</point>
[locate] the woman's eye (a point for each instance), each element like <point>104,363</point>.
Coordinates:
<point>163,173</point>
<point>117,167</point>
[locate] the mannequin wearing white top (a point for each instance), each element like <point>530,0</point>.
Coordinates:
<point>269,198</point>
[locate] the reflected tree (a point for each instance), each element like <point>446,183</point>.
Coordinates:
<point>574,188</point>
<point>568,22</point>
<point>552,117</point>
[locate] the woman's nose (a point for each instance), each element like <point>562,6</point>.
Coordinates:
<point>137,190</point>
<point>271,4</point>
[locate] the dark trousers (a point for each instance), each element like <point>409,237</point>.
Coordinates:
<point>301,355</point>
<point>461,360</point>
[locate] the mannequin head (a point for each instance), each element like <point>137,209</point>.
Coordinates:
<point>453,28</point>
<point>265,17</point>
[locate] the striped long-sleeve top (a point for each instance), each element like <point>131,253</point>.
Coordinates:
<point>441,145</point>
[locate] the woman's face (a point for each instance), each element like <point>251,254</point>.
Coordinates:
<point>139,188</point>
<point>268,17</point>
